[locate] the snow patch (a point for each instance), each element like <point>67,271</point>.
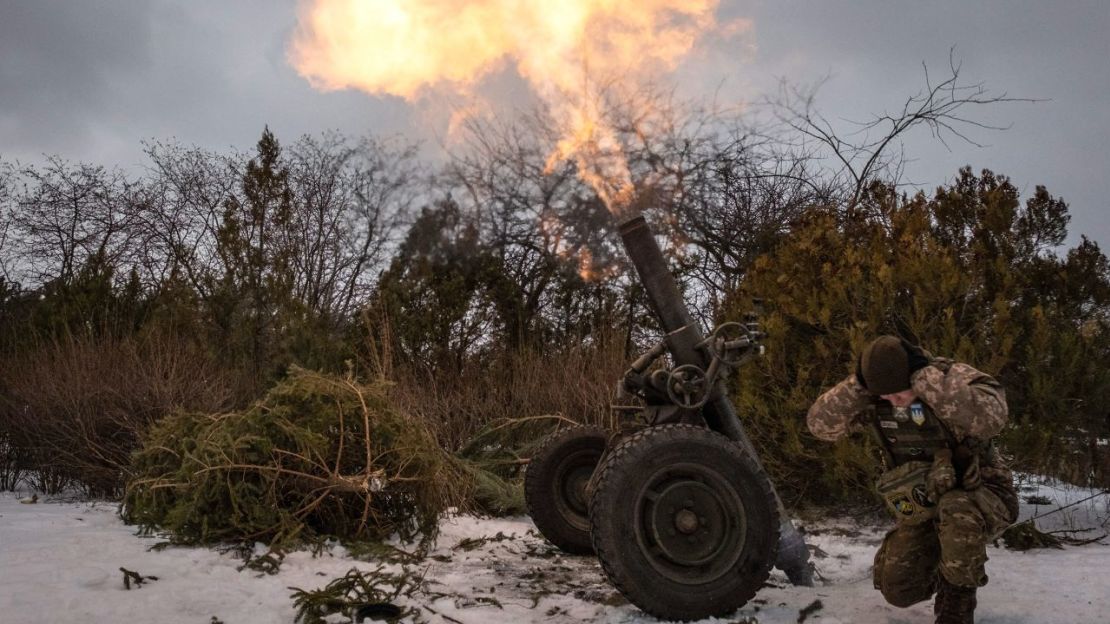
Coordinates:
<point>60,561</point>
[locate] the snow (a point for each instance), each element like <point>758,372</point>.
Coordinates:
<point>1041,496</point>
<point>60,560</point>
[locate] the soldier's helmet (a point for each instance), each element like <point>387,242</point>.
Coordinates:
<point>885,366</point>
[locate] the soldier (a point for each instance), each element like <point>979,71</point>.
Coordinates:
<point>935,421</point>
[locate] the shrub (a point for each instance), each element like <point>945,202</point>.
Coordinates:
<point>72,411</point>
<point>575,382</point>
<point>12,461</point>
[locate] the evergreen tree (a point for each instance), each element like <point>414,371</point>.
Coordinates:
<point>432,292</point>
<point>252,298</point>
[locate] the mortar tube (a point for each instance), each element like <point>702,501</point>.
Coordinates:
<point>682,337</point>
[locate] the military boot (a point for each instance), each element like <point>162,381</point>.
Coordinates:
<point>954,604</point>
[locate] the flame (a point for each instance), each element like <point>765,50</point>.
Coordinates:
<point>590,269</point>
<point>586,265</point>
<point>568,51</point>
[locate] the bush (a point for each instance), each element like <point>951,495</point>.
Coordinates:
<point>12,462</point>
<point>72,411</point>
<point>319,455</point>
<point>574,382</point>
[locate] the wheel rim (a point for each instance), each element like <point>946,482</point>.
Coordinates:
<point>571,479</point>
<point>690,523</point>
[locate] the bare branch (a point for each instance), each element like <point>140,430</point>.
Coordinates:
<point>864,154</point>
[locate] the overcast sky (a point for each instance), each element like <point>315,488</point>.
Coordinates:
<point>90,80</point>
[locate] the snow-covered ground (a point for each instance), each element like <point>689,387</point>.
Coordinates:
<point>60,562</point>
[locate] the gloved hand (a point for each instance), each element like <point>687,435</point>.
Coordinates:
<point>942,476</point>
<point>917,358</point>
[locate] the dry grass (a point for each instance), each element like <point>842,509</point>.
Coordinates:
<point>574,383</point>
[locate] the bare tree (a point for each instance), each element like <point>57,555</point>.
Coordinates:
<point>7,176</point>
<point>725,187</point>
<point>872,150</point>
<point>718,191</point>
<point>349,197</point>
<point>70,214</point>
<point>544,226</point>
<point>186,190</point>
<point>346,196</point>
<point>720,188</point>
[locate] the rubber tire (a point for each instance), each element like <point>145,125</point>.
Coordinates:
<point>562,526</point>
<point>621,492</point>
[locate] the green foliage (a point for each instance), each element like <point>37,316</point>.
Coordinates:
<point>970,274</point>
<point>252,296</point>
<point>432,291</point>
<point>459,288</point>
<point>358,594</point>
<point>318,455</point>
<point>1026,536</point>
<point>90,303</point>
<point>494,456</point>
<point>267,563</point>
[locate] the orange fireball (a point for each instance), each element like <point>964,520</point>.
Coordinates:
<point>564,50</point>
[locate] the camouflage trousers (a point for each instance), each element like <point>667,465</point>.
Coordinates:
<point>955,545</point>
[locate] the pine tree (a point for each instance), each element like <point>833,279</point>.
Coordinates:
<point>253,296</point>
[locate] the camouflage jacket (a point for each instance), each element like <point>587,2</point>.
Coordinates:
<point>969,402</point>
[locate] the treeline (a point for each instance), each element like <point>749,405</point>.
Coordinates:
<point>492,287</point>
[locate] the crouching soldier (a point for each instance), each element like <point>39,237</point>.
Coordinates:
<point>935,421</point>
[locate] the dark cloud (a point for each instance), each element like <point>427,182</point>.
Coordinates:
<point>90,80</point>
<point>59,64</point>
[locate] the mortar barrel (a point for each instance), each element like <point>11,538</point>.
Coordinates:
<point>683,336</point>
<point>662,292</point>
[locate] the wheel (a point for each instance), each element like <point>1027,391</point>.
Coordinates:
<point>555,486</point>
<point>684,523</point>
